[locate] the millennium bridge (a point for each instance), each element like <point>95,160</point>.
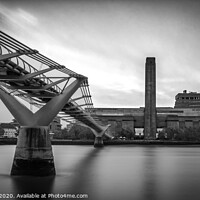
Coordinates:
<point>54,89</point>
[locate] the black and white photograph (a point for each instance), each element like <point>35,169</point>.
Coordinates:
<point>100,99</point>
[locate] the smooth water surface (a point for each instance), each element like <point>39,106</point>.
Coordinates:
<point>113,173</point>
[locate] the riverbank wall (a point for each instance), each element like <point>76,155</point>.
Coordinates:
<point>13,141</point>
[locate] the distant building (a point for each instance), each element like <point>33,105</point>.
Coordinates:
<point>185,114</point>
<point>121,120</point>
<point>55,127</point>
<point>187,100</point>
<point>9,130</point>
<point>15,124</point>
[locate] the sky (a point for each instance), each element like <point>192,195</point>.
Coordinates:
<point>108,41</point>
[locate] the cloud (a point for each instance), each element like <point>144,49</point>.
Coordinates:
<point>104,97</point>
<point>108,43</point>
<point>17,19</point>
<point>6,115</point>
<point>25,18</point>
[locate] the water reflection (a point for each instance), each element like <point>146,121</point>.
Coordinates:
<point>150,176</point>
<point>113,173</point>
<point>83,170</point>
<point>27,184</point>
<point>76,182</point>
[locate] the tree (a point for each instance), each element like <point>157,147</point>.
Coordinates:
<point>81,132</point>
<point>186,134</point>
<point>127,133</point>
<point>65,134</point>
<point>1,131</point>
<point>161,135</point>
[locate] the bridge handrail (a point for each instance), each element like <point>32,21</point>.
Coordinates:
<point>30,67</point>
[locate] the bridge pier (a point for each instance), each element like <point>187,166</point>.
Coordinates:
<point>33,154</point>
<point>98,142</point>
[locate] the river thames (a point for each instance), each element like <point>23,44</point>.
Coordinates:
<point>128,172</point>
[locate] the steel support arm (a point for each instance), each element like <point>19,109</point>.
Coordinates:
<point>16,54</point>
<point>39,88</point>
<point>9,55</point>
<point>46,114</point>
<point>46,87</point>
<point>34,74</point>
<point>20,112</point>
<point>25,77</point>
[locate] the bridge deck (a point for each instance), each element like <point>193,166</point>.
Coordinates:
<point>24,76</point>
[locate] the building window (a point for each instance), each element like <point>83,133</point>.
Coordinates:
<point>188,124</point>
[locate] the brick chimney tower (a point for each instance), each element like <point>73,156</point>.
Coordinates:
<point>150,127</point>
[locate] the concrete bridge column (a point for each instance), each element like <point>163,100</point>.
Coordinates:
<point>98,142</point>
<point>33,155</point>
